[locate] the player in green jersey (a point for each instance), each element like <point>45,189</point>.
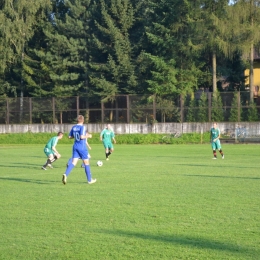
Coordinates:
<point>51,151</point>
<point>106,136</point>
<point>215,142</point>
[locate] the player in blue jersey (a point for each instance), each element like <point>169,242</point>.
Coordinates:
<point>106,136</point>
<point>82,165</point>
<point>51,151</point>
<point>79,150</point>
<point>215,142</point>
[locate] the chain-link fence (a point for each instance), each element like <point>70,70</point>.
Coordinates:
<point>196,107</point>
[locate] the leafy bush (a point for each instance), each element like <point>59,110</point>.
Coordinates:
<point>36,138</point>
<point>42,138</point>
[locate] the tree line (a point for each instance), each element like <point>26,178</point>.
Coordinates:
<point>103,48</point>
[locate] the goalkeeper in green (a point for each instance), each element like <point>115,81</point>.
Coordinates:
<point>215,142</point>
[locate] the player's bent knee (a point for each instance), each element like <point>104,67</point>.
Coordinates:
<point>57,156</point>
<point>86,162</point>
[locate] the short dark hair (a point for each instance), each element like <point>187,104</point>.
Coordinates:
<point>59,133</point>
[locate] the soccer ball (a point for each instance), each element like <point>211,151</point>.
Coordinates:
<point>99,163</point>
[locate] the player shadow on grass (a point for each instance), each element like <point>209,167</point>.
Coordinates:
<point>27,180</point>
<point>30,166</point>
<point>183,240</point>
<point>19,165</point>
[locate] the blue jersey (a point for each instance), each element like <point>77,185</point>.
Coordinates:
<point>79,147</point>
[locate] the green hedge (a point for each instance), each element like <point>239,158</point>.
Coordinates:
<point>42,138</point>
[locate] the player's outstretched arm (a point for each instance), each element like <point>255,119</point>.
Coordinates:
<point>88,135</point>
<point>82,137</point>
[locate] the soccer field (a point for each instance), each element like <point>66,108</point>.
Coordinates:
<point>149,202</point>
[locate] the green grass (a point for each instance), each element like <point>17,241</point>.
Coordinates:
<point>149,202</point>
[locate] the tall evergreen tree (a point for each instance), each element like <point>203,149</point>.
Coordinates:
<point>244,17</point>
<point>113,64</point>
<point>35,73</point>
<point>252,114</point>
<point>191,110</point>
<point>213,24</point>
<point>217,108</point>
<point>234,68</point>
<point>172,34</point>
<point>66,55</point>
<point>235,111</point>
<point>163,77</point>
<point>19,21</point>
<point>202,115</point>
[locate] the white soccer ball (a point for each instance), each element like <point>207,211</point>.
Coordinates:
<point>99,163</point>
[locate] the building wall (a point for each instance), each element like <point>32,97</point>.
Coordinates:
<point>256,75</point>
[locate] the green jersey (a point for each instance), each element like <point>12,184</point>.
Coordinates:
<point>52,142</point>
<point>215,132</point>
<point>107,135</point>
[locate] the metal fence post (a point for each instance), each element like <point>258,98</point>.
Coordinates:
<point>7,112</point>
<point>154,108</point>
<point>182,107</point>
<point>30,108</point>
<point>238,106</point>
<point>128,109</point>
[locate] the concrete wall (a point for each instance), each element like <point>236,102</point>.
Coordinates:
<point>163,128</point>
